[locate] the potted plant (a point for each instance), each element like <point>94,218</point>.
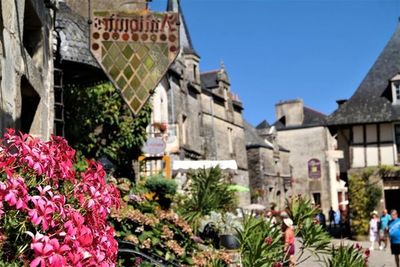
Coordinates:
<point>226,226</point>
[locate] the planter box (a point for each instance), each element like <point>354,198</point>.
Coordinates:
<point>229,241</point>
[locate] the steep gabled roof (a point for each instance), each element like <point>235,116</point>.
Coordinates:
<point>371,102</point>
<point>312,118</point>
<point>263,125</point>
<point>253,140</point>
<point>185,39</point>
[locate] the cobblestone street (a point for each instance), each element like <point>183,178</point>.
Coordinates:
<point>377,259</point>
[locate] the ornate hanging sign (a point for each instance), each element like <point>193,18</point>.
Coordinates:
<point>135,49</point>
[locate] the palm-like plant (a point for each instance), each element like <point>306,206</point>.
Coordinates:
<point>347,256</point>
<point>299,209</point>
<point>209,191</point>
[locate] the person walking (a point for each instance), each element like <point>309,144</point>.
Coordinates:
<point>383,229</point>
<point>373,229</point>
<point>394,235</point>
<point>289,241</point>
<point>269,217</point>
<point>331,215</point>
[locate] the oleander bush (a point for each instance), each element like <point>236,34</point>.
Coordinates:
<point>348,256</point>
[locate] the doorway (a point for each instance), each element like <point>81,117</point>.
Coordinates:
<point>392,199</point>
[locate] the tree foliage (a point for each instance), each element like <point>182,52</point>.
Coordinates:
<point>365,196</point>
<point>99,124</point>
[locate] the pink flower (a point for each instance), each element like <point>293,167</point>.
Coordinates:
<point>48,252</point>
<point>268,240</point>
<point>16,193</point>
<point>71,211</point>
<point>44,209</point>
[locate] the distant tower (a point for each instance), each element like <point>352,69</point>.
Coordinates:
<point>190,56</point>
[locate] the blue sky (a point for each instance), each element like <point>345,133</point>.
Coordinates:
<point>273,50</point>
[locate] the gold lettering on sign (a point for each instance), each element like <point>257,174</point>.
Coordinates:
<point>147,23</point>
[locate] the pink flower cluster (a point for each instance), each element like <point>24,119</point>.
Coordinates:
<point>67,211</point>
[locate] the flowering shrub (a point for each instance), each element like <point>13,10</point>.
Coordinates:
<point>49,214</point>
<point>157,232</point>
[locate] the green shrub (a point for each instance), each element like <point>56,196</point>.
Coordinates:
<point>312,237</point>
<point>347,256</point>
<point>164,189</point>
<point>364,197</point>
<point>260,242</point>
<point>99,123</point>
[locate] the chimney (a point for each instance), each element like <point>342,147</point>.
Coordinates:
<point>340,102</point>
<point>292,110</point>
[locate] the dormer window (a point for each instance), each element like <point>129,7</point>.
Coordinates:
<point>395,82</point>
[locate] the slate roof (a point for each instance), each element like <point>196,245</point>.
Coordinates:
<point>253,140</point>
<point>312,118</point>
<point>73,32</point>
<point>371,103</point>
<point>263,125</point>
<point>209,80</point>
<point>185,39</point>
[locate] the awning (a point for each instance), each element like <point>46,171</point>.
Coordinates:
<point>184,165</point>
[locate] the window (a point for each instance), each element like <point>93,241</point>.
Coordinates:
<point>230,141</point>
<point>396,89</point>
<point>195,72</point>
<point>397,136</point>
<point>184,129</point>
<point>30,101</point>
<point>317,198</point>
<point>33,34</point>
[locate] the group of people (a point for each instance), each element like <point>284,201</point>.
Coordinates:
<point>384,229</point>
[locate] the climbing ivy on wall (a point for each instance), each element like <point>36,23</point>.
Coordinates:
<point>365,194</point>
<point>100,124</point>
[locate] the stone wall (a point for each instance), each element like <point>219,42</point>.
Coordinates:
<point>268,172</point>
<point>27,99</point>
<point>82,7</point>
<point>306,144</point>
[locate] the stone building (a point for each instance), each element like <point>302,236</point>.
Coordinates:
<point>26,66</point>
<point>313,155</point>
<point>203,117</point>
<point>268,163</point>
<point>194,113</point>
<point>368,124</point>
